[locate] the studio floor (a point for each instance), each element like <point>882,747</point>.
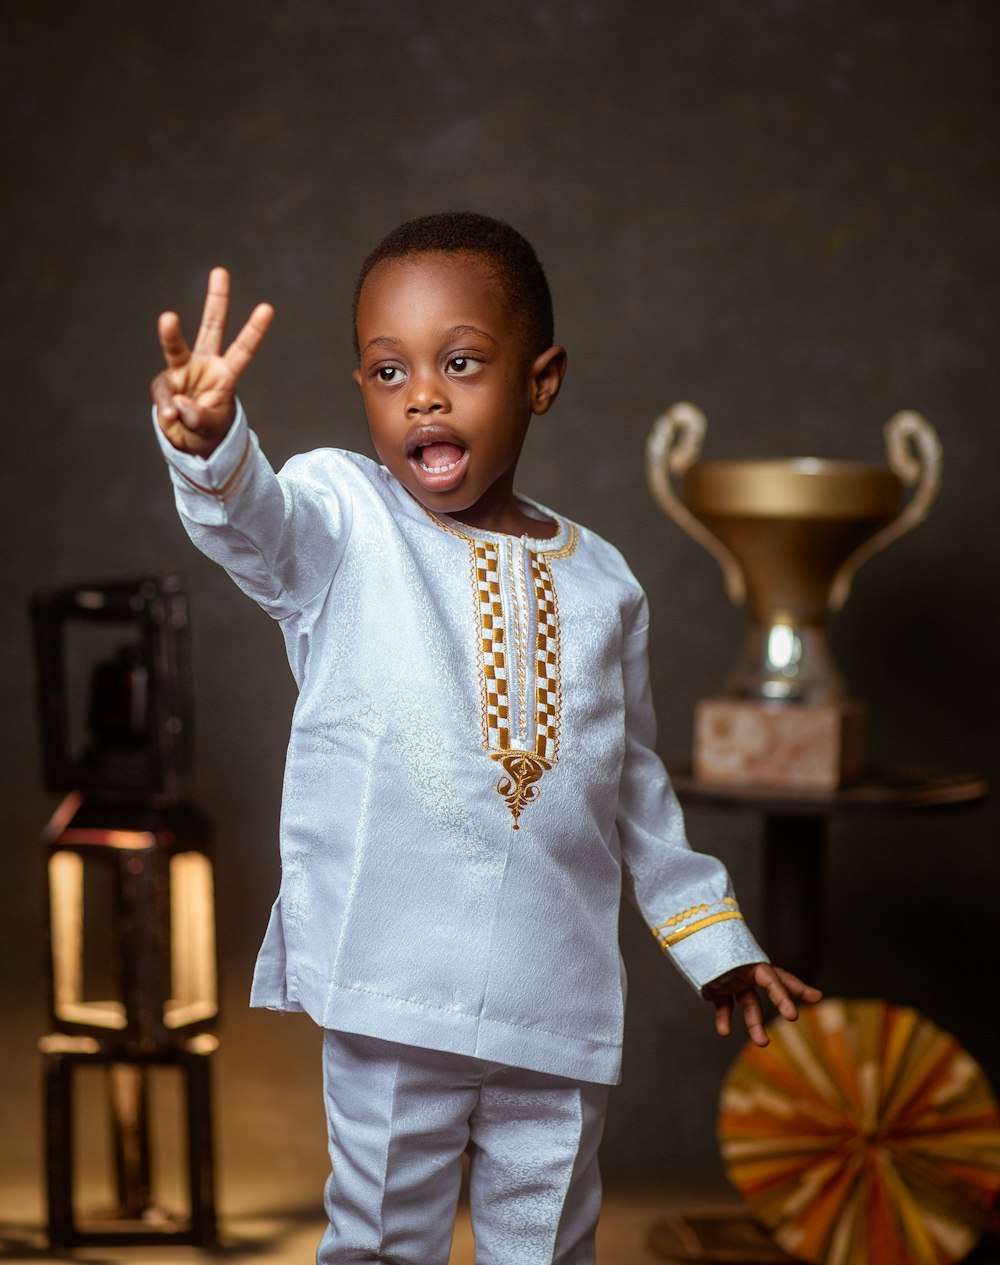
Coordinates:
<point>271,1160</point>
<point>271,1164</point>
<point>287,1237</point>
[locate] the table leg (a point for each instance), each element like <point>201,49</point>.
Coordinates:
<point>794,891</point>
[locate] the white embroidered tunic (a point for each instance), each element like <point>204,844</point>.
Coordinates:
<point>470,779</point>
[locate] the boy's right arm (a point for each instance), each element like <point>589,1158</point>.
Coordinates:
<point>195,396</point>
<point>279,537</point>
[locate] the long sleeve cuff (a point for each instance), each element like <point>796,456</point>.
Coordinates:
<point>218,476</point>
<point>707,940</point>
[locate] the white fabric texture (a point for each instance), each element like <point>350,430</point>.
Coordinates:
<point>462,806</point>
<point>399,1120</point>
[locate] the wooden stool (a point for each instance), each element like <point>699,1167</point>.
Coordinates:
<point>135,1218</point>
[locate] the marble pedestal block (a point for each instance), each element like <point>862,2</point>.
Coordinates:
<point>778,744</point>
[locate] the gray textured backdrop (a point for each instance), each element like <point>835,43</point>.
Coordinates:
<point>784,210</point>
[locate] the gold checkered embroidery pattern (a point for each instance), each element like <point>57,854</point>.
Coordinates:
<point>492,646</point>
<point>522,769</point>
<point>547,691</point>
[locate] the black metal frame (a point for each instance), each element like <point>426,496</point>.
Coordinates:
<point>142,915</point>
<point>124,810</point>
<point>61,1056</point>
<point>154,612</point>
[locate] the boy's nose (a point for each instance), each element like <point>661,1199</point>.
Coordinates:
<point>426,395</point>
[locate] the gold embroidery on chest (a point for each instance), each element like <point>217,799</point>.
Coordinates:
<point>519,662</point>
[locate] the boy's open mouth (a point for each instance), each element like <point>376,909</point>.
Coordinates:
<point>439,457</point>
<point>438,462</point>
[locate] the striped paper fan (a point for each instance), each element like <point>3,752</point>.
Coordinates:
<point>863,1135</point>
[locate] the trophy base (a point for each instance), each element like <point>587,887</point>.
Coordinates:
<point>742,741</point>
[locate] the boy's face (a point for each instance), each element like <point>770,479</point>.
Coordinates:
<point>448,386</point>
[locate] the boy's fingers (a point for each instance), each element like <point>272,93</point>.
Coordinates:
<point>797,988</point>
<point>163,391</point>
<point>753,1017</point>
<point>780,986</point>
<point>248,340</point>
<point>187,412</point>
<point>750,1005</point>
<point>175,350</point>
<point>783,988</point>
<point>794,987</point>
<point>781,1001</point>
<point>777,990</point>
<point>214,314</point>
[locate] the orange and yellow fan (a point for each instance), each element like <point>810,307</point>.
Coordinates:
<point>863,1135</point>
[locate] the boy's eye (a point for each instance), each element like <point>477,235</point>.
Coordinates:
<point>459,365</point>
<point>388,373</point>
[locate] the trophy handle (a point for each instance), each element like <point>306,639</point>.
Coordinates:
<point>914,453</point>
<point>672,448</point>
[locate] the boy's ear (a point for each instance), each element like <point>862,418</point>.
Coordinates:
<point>356,375</point>
<point>547,372</point>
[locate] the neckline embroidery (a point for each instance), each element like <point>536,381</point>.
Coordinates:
<point>518,652</point>
<point>546,544</point>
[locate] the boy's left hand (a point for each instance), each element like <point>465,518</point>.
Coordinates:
<point>742,984</point>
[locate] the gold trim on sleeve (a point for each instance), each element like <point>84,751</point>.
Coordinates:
<point>227,490</point>
<point>685,914</point>
<point>668,941</point>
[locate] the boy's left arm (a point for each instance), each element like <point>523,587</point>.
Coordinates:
<point>686,897</point>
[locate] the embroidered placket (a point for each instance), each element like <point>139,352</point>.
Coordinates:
<point>519,651</point>
<point>517,623</point>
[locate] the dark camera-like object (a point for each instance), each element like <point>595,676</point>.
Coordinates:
<point>114,689</point>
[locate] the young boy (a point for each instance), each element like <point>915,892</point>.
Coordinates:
<point>470,778</point>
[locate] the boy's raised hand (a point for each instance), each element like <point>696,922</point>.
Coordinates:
<point>741,985</point>
<point>195,396</point>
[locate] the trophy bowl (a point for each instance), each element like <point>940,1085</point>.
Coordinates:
<point>789,536</point>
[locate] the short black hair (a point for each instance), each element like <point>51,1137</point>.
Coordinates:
<point>455,232</point>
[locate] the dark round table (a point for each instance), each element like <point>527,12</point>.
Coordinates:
<point>794,835</point>
<point>794,829</point>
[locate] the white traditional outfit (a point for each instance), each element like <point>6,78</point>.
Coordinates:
<point>470,784</point>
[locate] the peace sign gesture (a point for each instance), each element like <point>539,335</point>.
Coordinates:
<point>195,394</point>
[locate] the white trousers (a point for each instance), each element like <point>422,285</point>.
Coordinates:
<point>399,1120</point>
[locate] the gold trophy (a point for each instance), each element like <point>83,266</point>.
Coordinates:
<point>789,536</point>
